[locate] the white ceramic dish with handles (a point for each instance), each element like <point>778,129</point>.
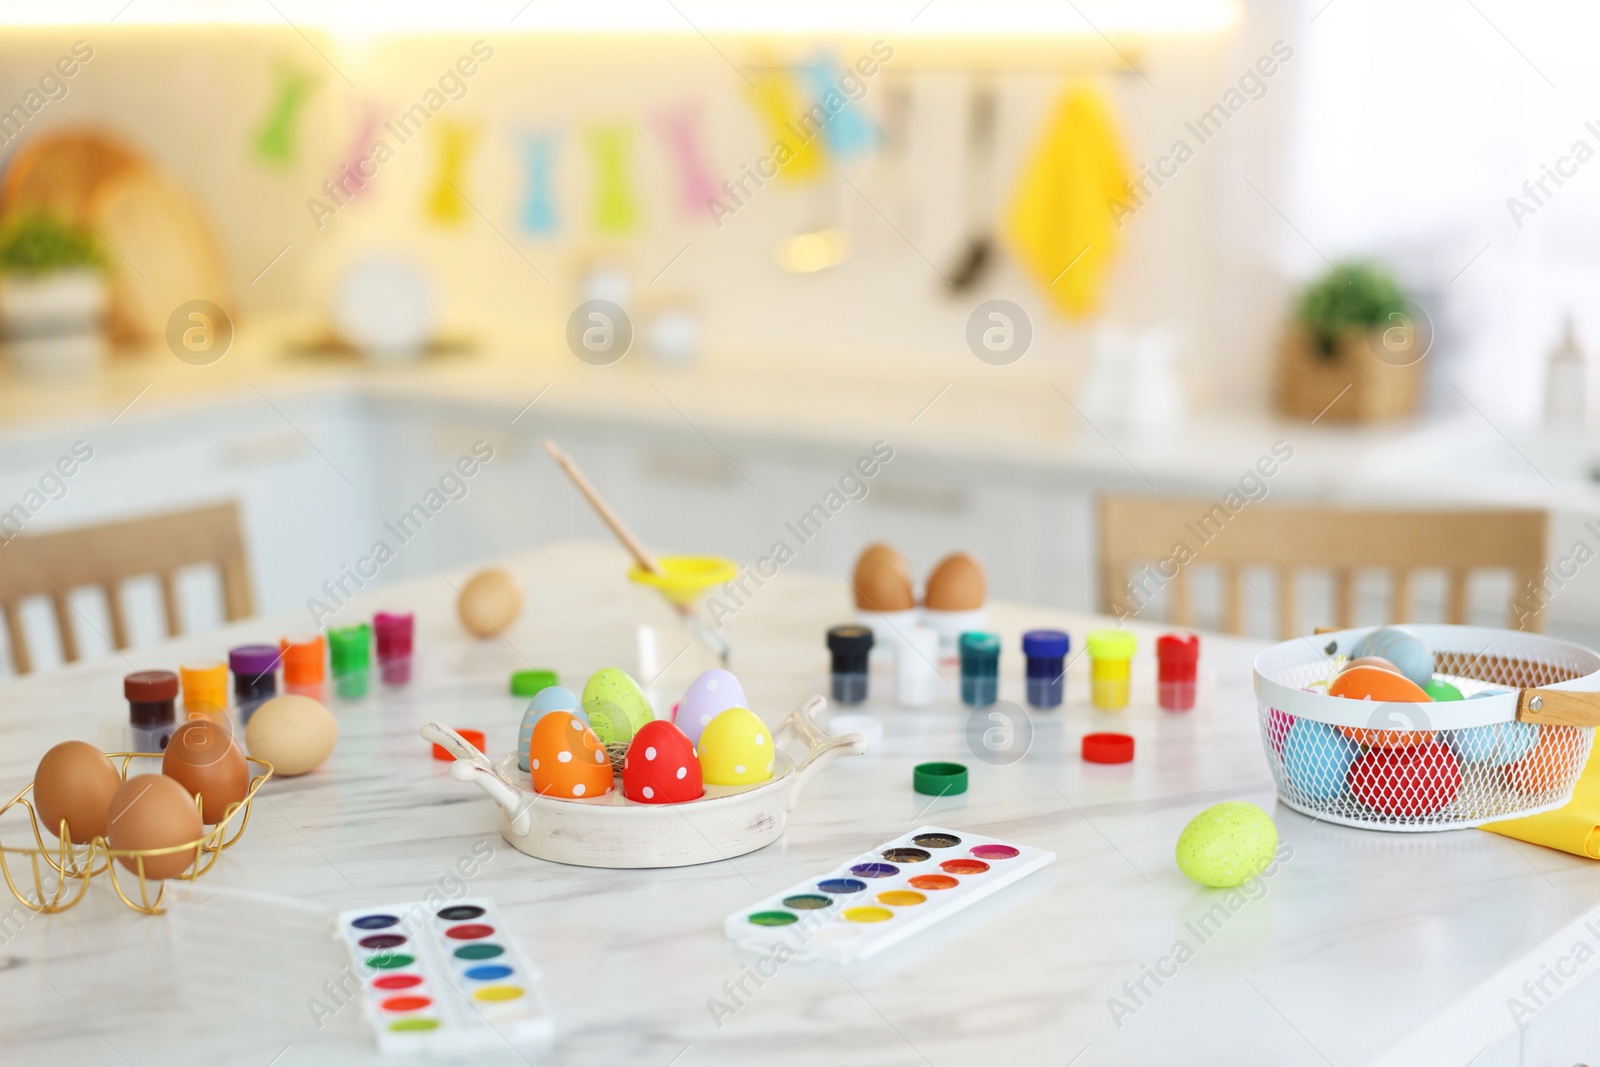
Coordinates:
<point>612,831</point>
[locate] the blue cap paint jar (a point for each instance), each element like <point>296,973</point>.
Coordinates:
<point>1046,653</point>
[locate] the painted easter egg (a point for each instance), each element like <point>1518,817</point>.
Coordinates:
<point>1549,766</point>
<point>708,696</point>
<point>1372,661</point>
<point>616,705</point>
<point>1278,726</point>
<point>736,749</point>
<point>1383,687</point>
<point>1441,691</point>
<point>1499,744</point>
<point>566,760</point>
<point>551,698</point>
<point>661,766</point>
<point>1414,780</point>
<point>1401,646</point>
<point>1317,759</point>
<point>1227,844</point>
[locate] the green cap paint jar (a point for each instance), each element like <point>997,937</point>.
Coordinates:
<point>350,651</point>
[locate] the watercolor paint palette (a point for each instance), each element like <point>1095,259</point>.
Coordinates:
<point>443,980</point>
<point>882,897</point>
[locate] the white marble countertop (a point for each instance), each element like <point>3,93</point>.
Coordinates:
<point>1361,947</point>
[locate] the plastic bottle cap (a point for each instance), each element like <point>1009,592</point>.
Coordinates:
<point>850,645</point>
<point>253,661</point>
<point>350,647</point>
<point>939,779</point>
<point>1108,748</point>
<point>1110,644</point>
<point>394,623</point>
<point>1046,644</point>
<point>304,658</point>
<point>531,683</point>
<point>1178,648</point>
<point>973,643</point>
<point>471,737</point>
<point>150,687</point>
<point>205,683</point>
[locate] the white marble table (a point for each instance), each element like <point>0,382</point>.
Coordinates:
<point>1363,947</point>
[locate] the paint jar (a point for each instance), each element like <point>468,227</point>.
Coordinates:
<point>980,669</point>
<point>851,645</point>
<point>1046,652</point>
<point>255,676</point>
<point>304,660</point>
<point>152,708</point>
<point>531,682</point>
<point>350,648</point>
<point>394,632</point>
<point>1110,668</point>
<point>205,689</point>
<point>916,655</point>
<point>1176,658</point>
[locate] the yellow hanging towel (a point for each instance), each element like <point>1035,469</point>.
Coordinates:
<point>1574,827</point>
<point>1060,224</point>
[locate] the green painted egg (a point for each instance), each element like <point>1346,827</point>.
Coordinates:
<point>1442,690</point>
<point>615,705</point>
<point>1227,844</point>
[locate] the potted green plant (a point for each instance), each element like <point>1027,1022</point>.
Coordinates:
<point>1352,351</point>
<point>53,294</point>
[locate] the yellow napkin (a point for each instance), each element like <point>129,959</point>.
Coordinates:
<point>1574,828</point>
<point>1060,224</point>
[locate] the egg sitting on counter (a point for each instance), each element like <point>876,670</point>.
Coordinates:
<point>75,782</point>
<point>294,733</point>
<point>153,811</point>
<point>661,766</point>
<point>709,695</point>
<point>566,760</point>
<point>736,748</point>
<point>882,580</point>
<point>206,760</point>
<point>956,584</point>
<point>616,705</point>
<point>490,602</point>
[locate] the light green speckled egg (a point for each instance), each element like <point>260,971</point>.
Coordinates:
<point>615,705</point>
<point>1227,844</point>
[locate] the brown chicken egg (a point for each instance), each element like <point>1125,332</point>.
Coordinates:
<point>490,601</point>
<point>956,584</point>
<point>882,580</point>
<point>206,760</point>
<point>153,811</point>
<point>75,781</point>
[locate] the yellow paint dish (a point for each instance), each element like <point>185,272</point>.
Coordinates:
<point>900,898</point>
<point>498,993</point>
<point>686,578</point>
<point>868,914</point>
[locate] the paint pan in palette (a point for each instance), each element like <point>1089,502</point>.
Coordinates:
<point>884,896</point>
<point>443,980</point>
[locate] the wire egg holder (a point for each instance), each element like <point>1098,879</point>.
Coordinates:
<point>70,863</point>
<point>1514,747</point>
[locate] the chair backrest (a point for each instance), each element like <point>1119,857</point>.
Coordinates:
<point>52,565</point>
<point>1148,542</point>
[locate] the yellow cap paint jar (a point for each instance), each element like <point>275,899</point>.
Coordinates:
<point>1110,666</point>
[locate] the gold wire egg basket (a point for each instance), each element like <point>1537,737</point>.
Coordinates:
<point>72,867</point>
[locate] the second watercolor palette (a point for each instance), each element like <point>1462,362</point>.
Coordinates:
<point>443,980</point>
<point>882,897</point>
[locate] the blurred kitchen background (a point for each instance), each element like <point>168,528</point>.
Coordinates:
<point>214,280</point>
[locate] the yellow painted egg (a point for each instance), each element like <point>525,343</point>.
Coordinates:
<point>736,749</point>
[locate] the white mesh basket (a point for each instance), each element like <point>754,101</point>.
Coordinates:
<point>1431,766</point>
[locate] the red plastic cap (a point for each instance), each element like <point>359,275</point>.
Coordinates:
<point>150,687</point>
<point>471,737</point>
<point>1178,648</point>
<point>1108,748</point>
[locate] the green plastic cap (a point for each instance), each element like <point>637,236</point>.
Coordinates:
<point>529,683</point>
<point>939,779</point>
<point>349,648</point>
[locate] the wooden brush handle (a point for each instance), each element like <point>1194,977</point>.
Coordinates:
<point>609,517</point>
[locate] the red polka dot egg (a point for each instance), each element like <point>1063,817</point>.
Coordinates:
<point>661,766</point>
<point>566,759</point>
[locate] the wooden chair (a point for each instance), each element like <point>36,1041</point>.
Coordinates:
<point>54,564</point>
<point>1136,531</point>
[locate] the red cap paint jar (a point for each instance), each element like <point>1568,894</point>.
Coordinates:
<point>394,631</point>
<point>152,708</point>
<point>1177,656</point>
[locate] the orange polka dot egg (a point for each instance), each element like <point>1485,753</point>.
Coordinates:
<point>566,759</point>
